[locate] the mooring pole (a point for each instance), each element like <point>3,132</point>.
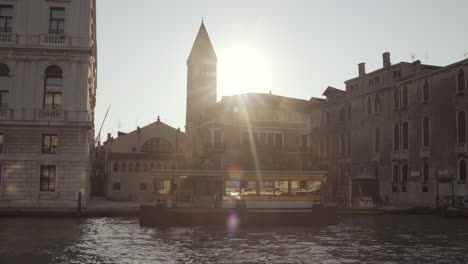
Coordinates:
<point>79,203</point>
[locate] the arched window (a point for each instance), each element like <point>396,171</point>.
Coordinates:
<point>369,105</point>
<point>53,87</point>
<point>157,145</point>
<point>377,140</point>
<point>461,81</point>
<point>158,166</point>
<point>349,111</point>
<point>396,137</point>
<point>4,85</point>
<point>137,167</point>
<point>425,92</point>
<point>396,173</point>
<point>461,126</point>
<point>145,167</point>
<point>462,170</point>
<point>115,167</point>
<point>425,172</point>
<point>377,104</point>
<point>152,166</point>
<point>342,113</point>
<point>131,168</point>
<point>396,98</point>
<point>123,167</point>
<point>404,99</point>
<point>426,132</point>
<point>405,129</point>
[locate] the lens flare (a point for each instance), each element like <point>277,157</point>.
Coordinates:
<point>233,223</point>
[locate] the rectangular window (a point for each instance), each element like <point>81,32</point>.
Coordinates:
<point>49,144</point>
<point>270,139</point>
<point>4,98</point>
<point>218,138</point>
<point>142,186</point>
<point>6,19</point>
<point>304,141</point>
<point>245,138</point>
<point>279,141</point>
<point>348,144</point>
<point>1,143</point>
<point>117,186</point>
<point>57,21</point>
<point>377,140</point>
<point>47,178</point>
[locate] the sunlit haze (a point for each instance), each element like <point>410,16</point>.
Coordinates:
<point>291,48</point>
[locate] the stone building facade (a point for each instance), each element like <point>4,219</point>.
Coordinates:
<point>392,134</point>
<point>395,132</point>
<point>47,95</point>
<point>131,157</point>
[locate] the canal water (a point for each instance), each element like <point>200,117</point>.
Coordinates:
<point>355,239</point>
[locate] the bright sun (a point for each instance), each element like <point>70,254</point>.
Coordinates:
<point>242,70</point>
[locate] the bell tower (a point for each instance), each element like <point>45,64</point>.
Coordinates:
<point>201,84</point>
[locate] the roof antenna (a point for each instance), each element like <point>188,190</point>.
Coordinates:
<point>202,19</point>
<point>427,57</point>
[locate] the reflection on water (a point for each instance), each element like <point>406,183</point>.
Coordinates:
<point>409,239</point>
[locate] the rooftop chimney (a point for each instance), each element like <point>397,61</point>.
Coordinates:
<point>386,60</point>
<point>362,68</point>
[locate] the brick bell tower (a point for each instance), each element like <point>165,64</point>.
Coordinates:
<point>201,86</point>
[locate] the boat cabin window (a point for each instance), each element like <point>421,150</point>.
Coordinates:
<point>267,187</point>
<point>248,188</point>
<point>281,188</point>
<point>162,186</point>
<point>232,188</point>
<point>298,188</point>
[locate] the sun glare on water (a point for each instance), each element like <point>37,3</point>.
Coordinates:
<point>242,70</point>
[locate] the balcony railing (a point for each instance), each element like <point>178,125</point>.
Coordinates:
<point>425,152</point>
<point>54,40</point>
<point>50,115</point>
<point>7,38</point>
<point>461,148</point>
<point>5,114</point>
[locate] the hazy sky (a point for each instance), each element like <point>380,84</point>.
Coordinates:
<point>292,48</point>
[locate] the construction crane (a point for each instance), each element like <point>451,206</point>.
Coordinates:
<point>98,138</point>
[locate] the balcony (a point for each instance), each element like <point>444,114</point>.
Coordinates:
<point>425,152</point>
<point>400,154</point>
<point>50,115</point>
<point>54,40</point>
<point>460,148</point>
<point>404,154</point>
<point>7,38</point>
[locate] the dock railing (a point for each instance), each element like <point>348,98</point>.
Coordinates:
<point>452,201</point>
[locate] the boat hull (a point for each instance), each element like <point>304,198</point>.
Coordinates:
<point>154,216</point>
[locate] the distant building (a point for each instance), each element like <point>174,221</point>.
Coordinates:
<point>130,158</point>
<point>47,98</point>
<point>390,135</point>
<point>394,132</point>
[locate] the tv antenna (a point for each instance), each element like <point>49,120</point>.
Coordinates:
<point>426,57</point>
<point>412,56</point>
